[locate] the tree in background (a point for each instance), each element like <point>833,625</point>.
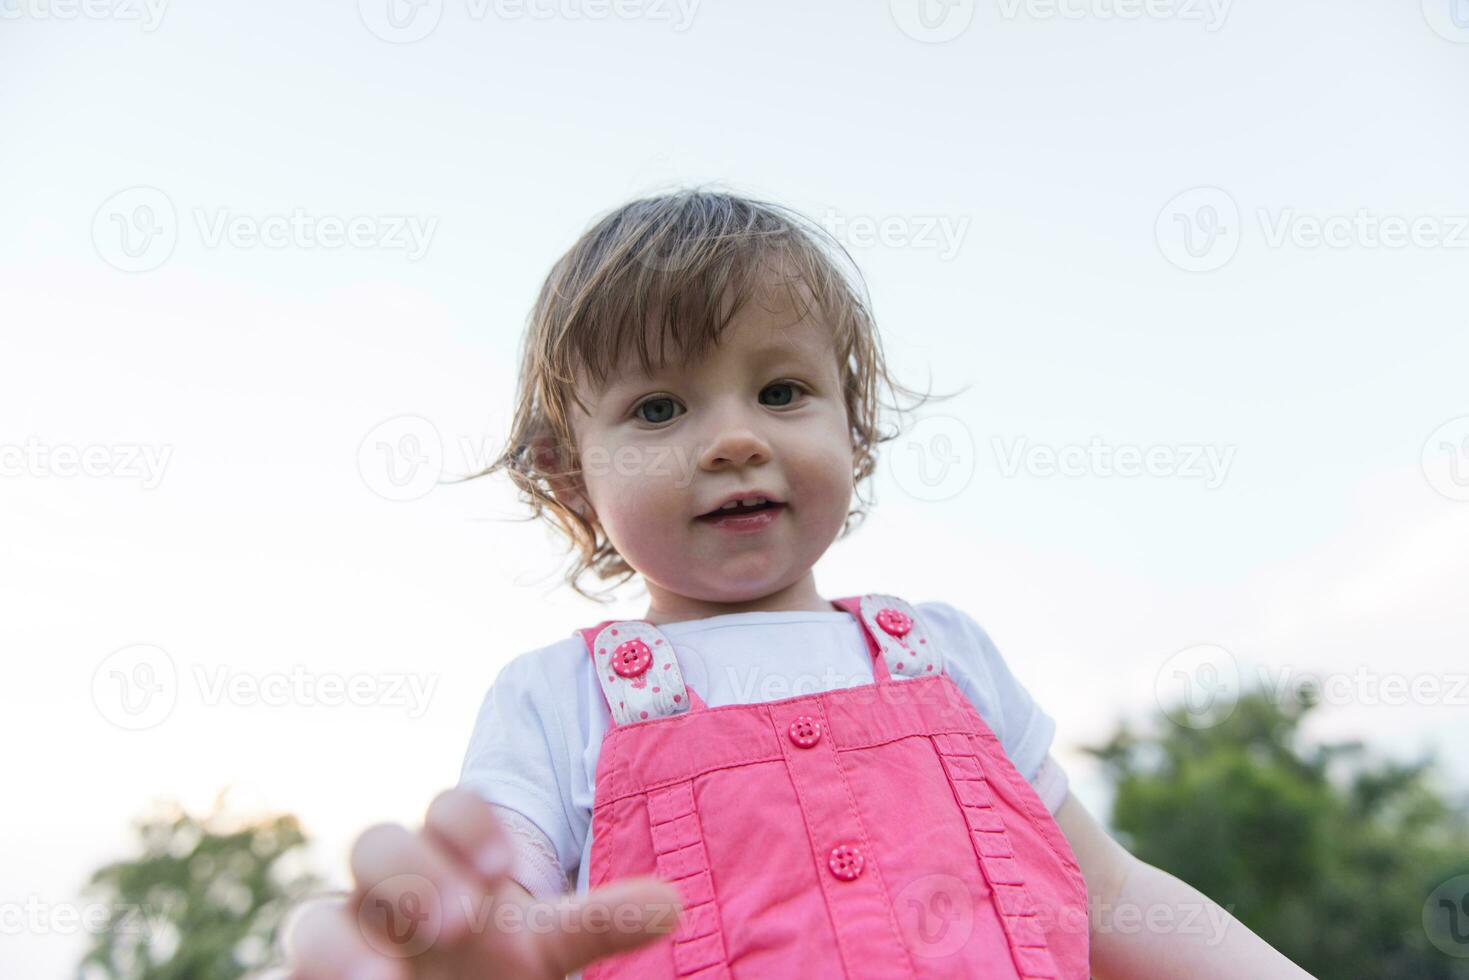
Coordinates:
<point>1336,860</point>
<point>203,901</point>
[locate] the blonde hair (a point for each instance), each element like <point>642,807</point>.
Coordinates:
<point>685,263</point>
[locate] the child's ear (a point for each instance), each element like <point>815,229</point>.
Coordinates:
<point>566,488</point>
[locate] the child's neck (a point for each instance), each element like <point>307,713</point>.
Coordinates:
<point>665,606</point>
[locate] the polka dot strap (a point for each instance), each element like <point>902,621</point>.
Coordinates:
<point>904,642</point>
<point>638,671</point>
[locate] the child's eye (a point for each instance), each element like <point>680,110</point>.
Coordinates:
<point>787,392</point>
<point>662,409</point>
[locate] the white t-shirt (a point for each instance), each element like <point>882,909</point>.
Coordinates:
<point>539,731</point>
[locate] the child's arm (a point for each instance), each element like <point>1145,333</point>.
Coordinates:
<point>437,903</point>
<point>1148,925</point>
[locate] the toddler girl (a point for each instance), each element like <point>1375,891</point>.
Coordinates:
<point>750,779</point>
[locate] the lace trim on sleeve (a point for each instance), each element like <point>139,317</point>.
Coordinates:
<point>536,867</point>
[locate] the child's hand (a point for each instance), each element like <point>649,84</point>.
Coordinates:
<point>438,904</point>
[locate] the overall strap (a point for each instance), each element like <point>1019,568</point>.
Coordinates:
<point>638,671</point>
<point>901,645</point>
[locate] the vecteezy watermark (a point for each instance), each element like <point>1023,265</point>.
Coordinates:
<point>1207,919</point>
<point>1446,917</point>
<point>1449,19</point>
<point>1200,230</point>
<point>1363,228</point>
<point>221,684</point>
<point>404,458</point>
<point>408,233</point>
<point>403,915</point>
<point>128,461</point>
<point>757,685</point>
<point>35,917</point>
<point>932,21</point>
<point>941,233</point>
<point>137,687</point>
<point>1200,686</point>
<point>935,460</point>
<point>137,229</point>
<point>148,13</point>
<point>1365,686</point>
<point>1446,459</point>
<point>406,21</point>
<point>936,915</point>
<point>1210,13</point>
<point>1209,463</point>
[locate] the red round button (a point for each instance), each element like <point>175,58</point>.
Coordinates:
<point>805,731</point>
<point>632,658</point>
<point>845,861</point>
<point>894,621</point>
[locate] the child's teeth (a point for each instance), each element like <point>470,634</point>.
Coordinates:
<point>751,502</point>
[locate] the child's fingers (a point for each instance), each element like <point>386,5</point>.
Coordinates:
<point>324,943</point>
<point>410,893</point>
<point>617,917</point>
<point>463,823</point>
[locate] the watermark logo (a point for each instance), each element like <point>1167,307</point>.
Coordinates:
<point>936,914</point>
<point>403,916</point>
<point>1199,686</point>
<point>135,230</point>
<point>402,458</point>
<point>1199,229</point>
<point>1446,459</point>
<point>932,21</point>
<point>136,688</point>
<point>401,21</point>
<point>935,460</point>
<point>1446,917</point>
<point>400,915</point>
<point>1449,19</point>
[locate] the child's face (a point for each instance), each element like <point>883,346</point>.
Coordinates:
<point>762,412</point>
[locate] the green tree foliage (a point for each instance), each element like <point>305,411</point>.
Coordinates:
<point>1327,854</point>
<point>202,902</point>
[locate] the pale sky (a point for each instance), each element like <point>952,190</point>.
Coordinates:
<point>246,247</point>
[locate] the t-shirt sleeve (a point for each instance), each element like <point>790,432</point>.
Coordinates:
<point>1025,730</point>
<point>1051,783</point>
<point>519,756</point>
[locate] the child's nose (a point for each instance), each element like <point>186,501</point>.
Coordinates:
<point>737,445</point>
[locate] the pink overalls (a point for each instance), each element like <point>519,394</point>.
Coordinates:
<point>871,831</point>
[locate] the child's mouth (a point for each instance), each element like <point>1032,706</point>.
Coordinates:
<point>742,518</point>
